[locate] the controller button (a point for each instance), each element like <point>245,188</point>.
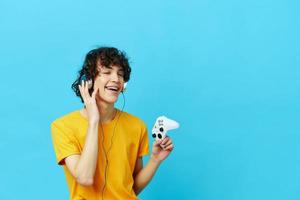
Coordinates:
<point>154,135</point>
<point>161,129</point>
<point>159,136</point>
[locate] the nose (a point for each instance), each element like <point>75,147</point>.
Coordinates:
<point>115,77</point>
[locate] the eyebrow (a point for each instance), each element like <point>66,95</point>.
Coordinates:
<point>109,67</point>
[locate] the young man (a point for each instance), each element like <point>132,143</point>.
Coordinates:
<point>101,147</point>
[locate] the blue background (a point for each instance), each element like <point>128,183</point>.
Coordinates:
<point>228,71</point>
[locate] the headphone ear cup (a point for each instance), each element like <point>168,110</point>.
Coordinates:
<point>124,87</point>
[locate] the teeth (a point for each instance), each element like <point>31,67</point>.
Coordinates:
<point>113,88</point>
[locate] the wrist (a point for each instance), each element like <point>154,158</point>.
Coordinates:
<point>93,123</point>
<point>154,159</point>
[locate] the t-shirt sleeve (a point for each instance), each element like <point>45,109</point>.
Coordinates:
<point>144,141</point>
<point>64,142</point>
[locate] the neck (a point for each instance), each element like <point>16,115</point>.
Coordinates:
<point>107,111</point>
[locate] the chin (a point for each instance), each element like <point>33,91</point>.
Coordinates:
<point>111,99</point>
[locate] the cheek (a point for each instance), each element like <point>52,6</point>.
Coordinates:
<point>101,89</point>
<point>99,84</point>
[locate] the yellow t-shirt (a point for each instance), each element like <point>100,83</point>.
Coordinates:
<point>130,141</point>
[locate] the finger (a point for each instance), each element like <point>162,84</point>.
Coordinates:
<point>167,143</point>
<point>165,140</point>
<point>85,88</point>
<point>170,147</point>
<point>98,94</point>
<point>94,93</point>
<point>82,84</point>
<point>157,143</point>
<point>82,93</point>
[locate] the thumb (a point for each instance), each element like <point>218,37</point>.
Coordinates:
<point>157,143</point>
<point>94,93</point>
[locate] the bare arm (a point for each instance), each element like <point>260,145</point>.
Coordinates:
<point>142,176</point>
<point>83,166</point>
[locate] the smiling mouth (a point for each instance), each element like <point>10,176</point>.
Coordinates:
<point>112,89</point>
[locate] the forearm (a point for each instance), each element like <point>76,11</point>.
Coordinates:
<point>143,178</point>
<point>86,166</point>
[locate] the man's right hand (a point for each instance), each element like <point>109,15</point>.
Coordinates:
<point>90,102</point>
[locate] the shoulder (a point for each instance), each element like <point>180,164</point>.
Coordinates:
<point>67,120</point>
<point>134,125</point>
<point>132,119</point>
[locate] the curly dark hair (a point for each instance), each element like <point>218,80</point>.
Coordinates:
<point>107,56</point>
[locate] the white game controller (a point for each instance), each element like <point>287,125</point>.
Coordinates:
<point>162,126</point>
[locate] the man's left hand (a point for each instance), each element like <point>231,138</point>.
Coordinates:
<point>161,149</point>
